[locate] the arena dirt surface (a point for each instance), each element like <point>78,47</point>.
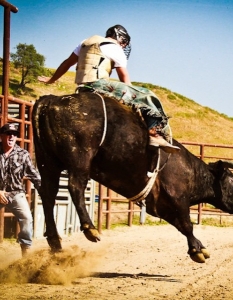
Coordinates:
<point>139,262</point>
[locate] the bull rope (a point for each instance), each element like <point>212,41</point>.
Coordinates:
<point>144,193</point>
<point>105,119</point>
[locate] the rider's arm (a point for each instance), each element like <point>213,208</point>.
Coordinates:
<point>123,75</point>
<point>61,70</point>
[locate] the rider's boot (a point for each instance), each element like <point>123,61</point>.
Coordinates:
<point>156,140</point>
<point>159,141</point>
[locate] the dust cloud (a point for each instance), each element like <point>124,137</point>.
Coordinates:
<point>43,267</point>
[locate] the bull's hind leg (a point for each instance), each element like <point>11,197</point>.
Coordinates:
<point>181,220</point>
<point>178,216</point>
<point>77,185</point>
<point>50,176</point>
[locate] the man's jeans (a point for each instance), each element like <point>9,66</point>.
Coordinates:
<point>141,98</point>
<point>20,208</point>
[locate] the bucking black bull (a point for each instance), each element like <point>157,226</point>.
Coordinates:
<point>98,138</point>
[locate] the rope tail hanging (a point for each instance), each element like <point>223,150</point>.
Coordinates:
<point>144,193</point>
<point>105,119</point>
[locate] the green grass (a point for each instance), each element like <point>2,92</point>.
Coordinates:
<point>216,221</point>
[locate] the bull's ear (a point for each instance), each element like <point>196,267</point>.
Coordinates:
<point>216,167</point>
<point>219,166</point>
<point>227,164</point>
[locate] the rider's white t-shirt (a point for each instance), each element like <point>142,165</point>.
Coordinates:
<point>112,51</point>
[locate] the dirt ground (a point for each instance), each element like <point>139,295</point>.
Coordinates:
<point>139,262</point>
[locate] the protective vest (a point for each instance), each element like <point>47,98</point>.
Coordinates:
<point>92,63</point>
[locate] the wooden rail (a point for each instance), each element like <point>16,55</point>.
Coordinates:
<point>107,196</point>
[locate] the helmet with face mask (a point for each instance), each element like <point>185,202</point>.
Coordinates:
<point>120,34</point>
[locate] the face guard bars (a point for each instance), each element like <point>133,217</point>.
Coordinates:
<point>124,40</point>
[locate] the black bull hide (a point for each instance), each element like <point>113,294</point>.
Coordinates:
<point>67,134</point>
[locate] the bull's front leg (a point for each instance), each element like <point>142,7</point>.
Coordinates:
<point>77,188</point>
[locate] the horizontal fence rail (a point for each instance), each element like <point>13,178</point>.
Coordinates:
<point>109,197</point>
<point>205,151</point>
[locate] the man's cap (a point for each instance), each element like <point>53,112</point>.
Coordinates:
<point>9,127</point>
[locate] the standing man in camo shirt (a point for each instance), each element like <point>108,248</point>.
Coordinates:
<point>15,164</point>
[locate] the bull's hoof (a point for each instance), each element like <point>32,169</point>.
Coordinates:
<point>54,244</point>
<point>199,257</point>
<point>92,234</point>
<point>205,253</point>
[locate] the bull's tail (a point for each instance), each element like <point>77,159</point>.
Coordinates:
<point>36,117</point>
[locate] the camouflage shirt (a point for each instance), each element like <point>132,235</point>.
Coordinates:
<point>14,168</point>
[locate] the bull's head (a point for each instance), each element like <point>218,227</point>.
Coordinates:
<point>223,184</point>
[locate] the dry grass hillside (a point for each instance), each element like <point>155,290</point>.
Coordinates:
<point>189,120</point>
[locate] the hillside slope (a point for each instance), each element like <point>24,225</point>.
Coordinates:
<point>192,121</point>
<point>189,120</point>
